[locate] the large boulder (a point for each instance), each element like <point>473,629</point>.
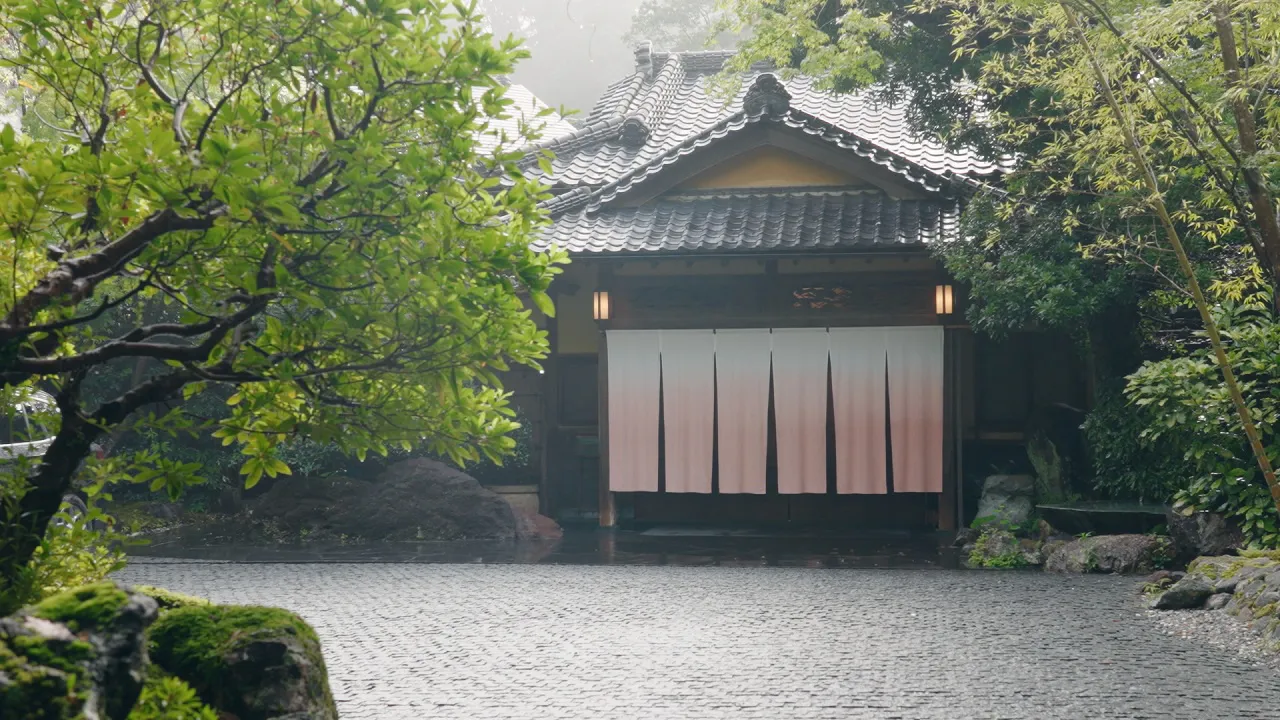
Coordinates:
<point>1202,534</point>
<point>415,499</point>
<point>1109,554</point>
<point>426,500</point>
<point>251,663</point>
<point>1007,499</point>
<point>78,654</point>
<point>305,505</point>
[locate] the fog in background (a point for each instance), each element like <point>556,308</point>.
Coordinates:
<point>580,46</point>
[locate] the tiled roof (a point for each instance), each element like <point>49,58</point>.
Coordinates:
<point>524,107</point>
<point>668,102</point>
<point>760,221</point>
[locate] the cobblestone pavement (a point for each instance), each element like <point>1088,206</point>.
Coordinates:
<point>546,641</point>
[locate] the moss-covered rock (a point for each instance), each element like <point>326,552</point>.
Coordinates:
<point>252,662</point>
<point>997,548</point>
<point>87,607</point>
<point>1110,554</point>
<point>170,600</point>
<point>80,653</point>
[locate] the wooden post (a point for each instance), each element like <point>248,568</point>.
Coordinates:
<point>547,492</point>
<point>608,516</point>
<point>950,401</point>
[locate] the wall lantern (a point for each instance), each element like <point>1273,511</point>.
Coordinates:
<point>944,300</point>
<point>600,309</point>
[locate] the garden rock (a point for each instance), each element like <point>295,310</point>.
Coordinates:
<point>1217,601</point>
<point>1108,554</point>
<point>427,500</point>
<point>415,499</point>
<point>78,654</point>
<point>996,548</point>
<point>532,526</point>
<point>1202,534</point>
<point>1007,498</point>
<point>1189,592</point>
<point>965,537</point>
<point>251,663</point>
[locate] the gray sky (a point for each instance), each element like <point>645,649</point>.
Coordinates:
<point>577,45</point>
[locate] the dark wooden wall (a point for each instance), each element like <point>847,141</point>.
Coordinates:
<point>773,300</point>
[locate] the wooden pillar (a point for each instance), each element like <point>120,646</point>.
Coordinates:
<point>547,492</point>
<point>608,515</point>
<point>947,500</point>
<point>608,509</point>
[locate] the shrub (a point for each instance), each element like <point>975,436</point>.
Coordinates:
<point>1128,465</point>
<point>1187,406</point>
<point>72,553</point>
<point>169,698</point>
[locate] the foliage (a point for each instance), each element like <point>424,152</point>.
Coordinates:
<point>75,551</point>
<point>1187,407</point>
<point>298,185</point>
<point>996,548</point>
<point>169,698</point>
<point>1128,465</point>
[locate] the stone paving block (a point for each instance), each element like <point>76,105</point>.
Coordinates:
<point>528,642</point>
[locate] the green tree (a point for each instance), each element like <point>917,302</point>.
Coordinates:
<point>298,183</point>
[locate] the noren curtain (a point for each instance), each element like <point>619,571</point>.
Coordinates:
<point>634,381</point>
<point>858,403</point>
<point>742,402</point>
<point>800,409</point>
<point>688,408</point>
<point>916,368</point>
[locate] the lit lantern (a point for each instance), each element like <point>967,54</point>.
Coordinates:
<point>601,306</point>
<point>944,300</point>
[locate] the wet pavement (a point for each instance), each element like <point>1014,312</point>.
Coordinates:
<point>654,546</point>
<point>752,633</point>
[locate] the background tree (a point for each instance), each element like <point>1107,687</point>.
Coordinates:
<point>297,185</point>
<point>680,25</point>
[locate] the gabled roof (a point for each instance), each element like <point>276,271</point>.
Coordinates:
<point>650,121</point>
<point>667,101</point>
<point>756,221</point>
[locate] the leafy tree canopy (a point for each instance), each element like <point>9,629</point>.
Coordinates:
<point>296,186</point>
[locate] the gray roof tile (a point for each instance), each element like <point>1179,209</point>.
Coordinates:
<point>674,102</point>
<point>767,220</point>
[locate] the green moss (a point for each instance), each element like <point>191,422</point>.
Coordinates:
<point>89,606</point>
<point>63,656</point>
<point>192,642</point>
<point>1265,611</point>
<point>34,691</point>
<point>1201,566</point>
<point>1261,554</point>
<point>170,600</point>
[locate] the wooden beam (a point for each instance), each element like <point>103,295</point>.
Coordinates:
<point>608,516</point>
